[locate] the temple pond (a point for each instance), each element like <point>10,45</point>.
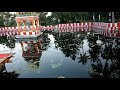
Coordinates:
<point>67,55</point>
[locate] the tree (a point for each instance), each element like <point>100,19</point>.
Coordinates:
<point>1,20</point>
<point>7,19</point>
<point>69,17</point>
<point>42,17</point>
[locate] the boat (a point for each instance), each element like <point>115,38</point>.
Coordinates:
<point>5,57</point>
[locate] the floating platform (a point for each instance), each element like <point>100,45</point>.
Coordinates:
<point>4,57</point>
<point>27,39</point>
<point>28,36</point>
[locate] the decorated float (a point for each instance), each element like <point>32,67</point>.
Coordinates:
<point>28,26</point>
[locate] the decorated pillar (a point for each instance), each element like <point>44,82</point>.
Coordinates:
<point>18,25</point>
<point>22,46</point>
<point>37,22</point>
<point>40,43</point>
<point>24,22</point>
<point>36,46</point>
<point>33,24</point>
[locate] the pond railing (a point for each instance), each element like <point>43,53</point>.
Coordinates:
<point>107,29</point>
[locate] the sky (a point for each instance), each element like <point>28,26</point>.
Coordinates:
<point>12,12</point>
<point>49,14</point>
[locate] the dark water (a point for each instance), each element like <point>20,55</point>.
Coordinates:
<point>71,55</point>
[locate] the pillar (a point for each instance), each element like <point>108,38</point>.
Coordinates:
<point>18,25</point>
<point>39,42</point>
<point>33,24</point>
<point>22,46</point>
<point>24,22</point>
<point>37,24</point>
<point>36,46</point>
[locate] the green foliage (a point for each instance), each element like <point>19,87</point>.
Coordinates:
<point>69,17</point>
<point>74,17</point>
<point>7,19</point>
<point>1,21</point>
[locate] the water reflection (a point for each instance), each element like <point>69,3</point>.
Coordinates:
<point>69,43</point>
<point>45,40</point>
<point>9,41</point>
<point>101,49</point>
<point>109,51</point>
<point>94,52</point>
<point>99,54</point>
<point>5,74</point>
<point>104,71</point>
<point>32,49</point>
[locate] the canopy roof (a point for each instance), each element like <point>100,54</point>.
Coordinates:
<point>26,18</point>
